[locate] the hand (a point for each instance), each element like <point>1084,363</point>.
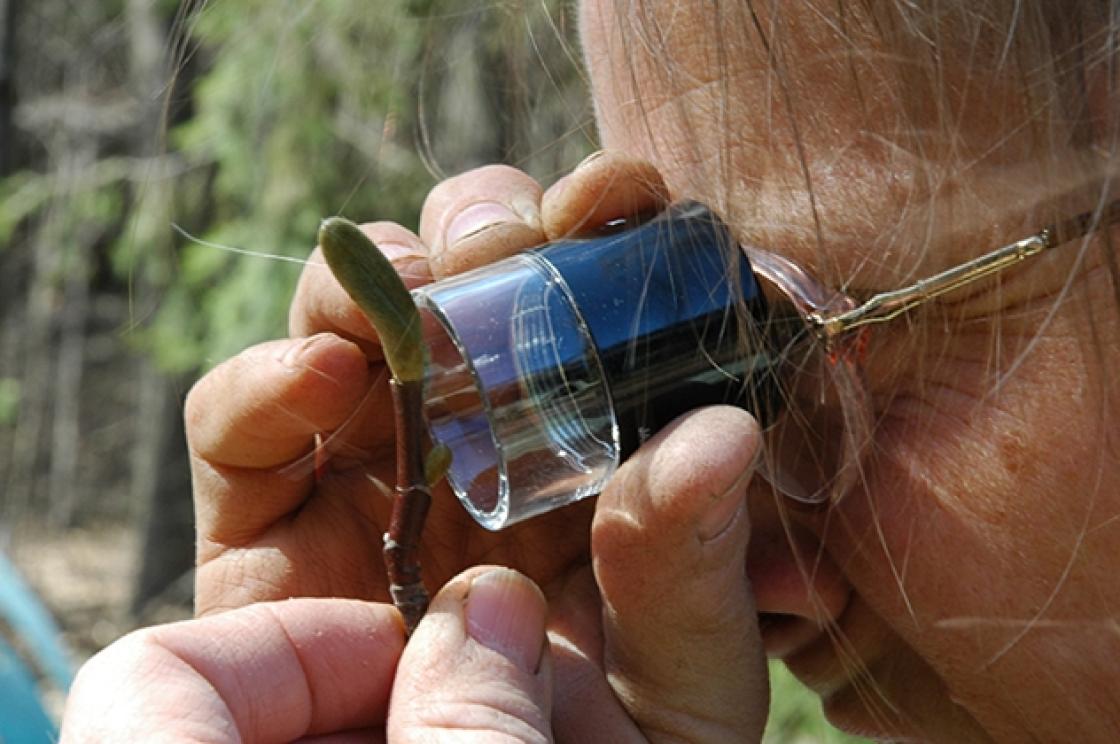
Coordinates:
<point>330,668</point>
<point>684,665</point>
<point>660,641</point>
<point>277,516</point>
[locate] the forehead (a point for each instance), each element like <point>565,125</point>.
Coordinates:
<point>828,131</point>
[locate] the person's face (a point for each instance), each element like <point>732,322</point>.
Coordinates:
<point>969,583</point>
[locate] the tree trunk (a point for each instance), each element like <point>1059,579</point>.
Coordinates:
<point>160,470</point>
<point>7,84</point>
<point>29,441</point>
<point>65,487</point>
<point>161,482</point>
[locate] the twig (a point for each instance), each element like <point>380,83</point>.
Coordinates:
<point>410,506</point>
<point>370,279</point>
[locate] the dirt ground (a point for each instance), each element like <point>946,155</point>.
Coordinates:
<point>85,576</point>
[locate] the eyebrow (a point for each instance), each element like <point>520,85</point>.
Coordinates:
<point>887,306</point>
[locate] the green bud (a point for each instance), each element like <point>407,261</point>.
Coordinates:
<point>437,464</point>
<point>374,285</point>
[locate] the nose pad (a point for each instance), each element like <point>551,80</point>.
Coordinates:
<point>798,589</point>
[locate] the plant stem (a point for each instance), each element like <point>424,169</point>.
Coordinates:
<point>370,279</point>
<point>410,505</point>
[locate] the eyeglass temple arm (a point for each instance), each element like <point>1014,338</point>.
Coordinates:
<point>889,305</point>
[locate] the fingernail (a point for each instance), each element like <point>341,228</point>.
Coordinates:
<point>290,357</point>
<point>725,509</point>
<point>528,209</point>
<point>506,613</point>
<point>409,261</point>
<point>478,217</point>
<point>397,251</point>
<point>590,159</point>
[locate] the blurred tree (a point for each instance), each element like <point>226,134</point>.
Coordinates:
<point>7,82</point>
<point>244,123</point>
<point>160,481</point>
<point>68,133</point>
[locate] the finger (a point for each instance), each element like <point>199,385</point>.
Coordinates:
<point>268,672</point>
<point>477,665</point>
<point>260,408</point>
<point>259,411</point>
<point>478,217</point>
<point>681,642</point>
<point>605,187</point>
<point>584,707</point>
<point>321,305</point>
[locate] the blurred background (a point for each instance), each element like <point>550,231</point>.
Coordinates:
<point>158,160</point>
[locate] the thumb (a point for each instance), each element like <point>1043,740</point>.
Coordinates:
<point>477,665</point>
<point>681,643</point>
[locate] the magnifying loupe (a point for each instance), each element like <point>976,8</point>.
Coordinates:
<point>547,369</point>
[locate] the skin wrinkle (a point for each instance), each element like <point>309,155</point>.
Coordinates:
<point>244,582</point>
<point>152,638</point>
<point>499,714</point>
<point>963,250</point>
<point>924,489</point>
<point>249,719</point>
<point>880,222</point>
<point>308,693</point>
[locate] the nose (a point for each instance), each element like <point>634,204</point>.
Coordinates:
<point>798,589</point>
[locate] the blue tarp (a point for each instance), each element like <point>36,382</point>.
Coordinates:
<point>22,718</point>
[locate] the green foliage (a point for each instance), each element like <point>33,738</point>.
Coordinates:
<point>304,111</point>
<point>9,400</point>
<point>21,195</point>
<point>309,109</point>
<point>795,713</point>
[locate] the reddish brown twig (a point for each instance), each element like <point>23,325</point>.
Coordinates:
<point>410,506</point>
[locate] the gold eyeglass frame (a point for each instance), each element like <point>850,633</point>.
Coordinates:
<point>886,306</point>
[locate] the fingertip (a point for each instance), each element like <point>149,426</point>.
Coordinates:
<point>506,612</point>
<point>484,244</point>
<point>497,607</point>
<point>324,355</point>
<point>605,187</point>
<point>479,217</point>
<point>708,450</point>
<point>694,460</point>
<point>403,248</point>
<point>478,661</point>
<point>681,495</point>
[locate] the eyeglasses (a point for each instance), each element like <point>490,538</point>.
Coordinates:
<point>889,305</point>
<point>816,453</point>
<point>546,370</point>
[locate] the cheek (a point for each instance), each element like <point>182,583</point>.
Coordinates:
<point>986,535</point>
